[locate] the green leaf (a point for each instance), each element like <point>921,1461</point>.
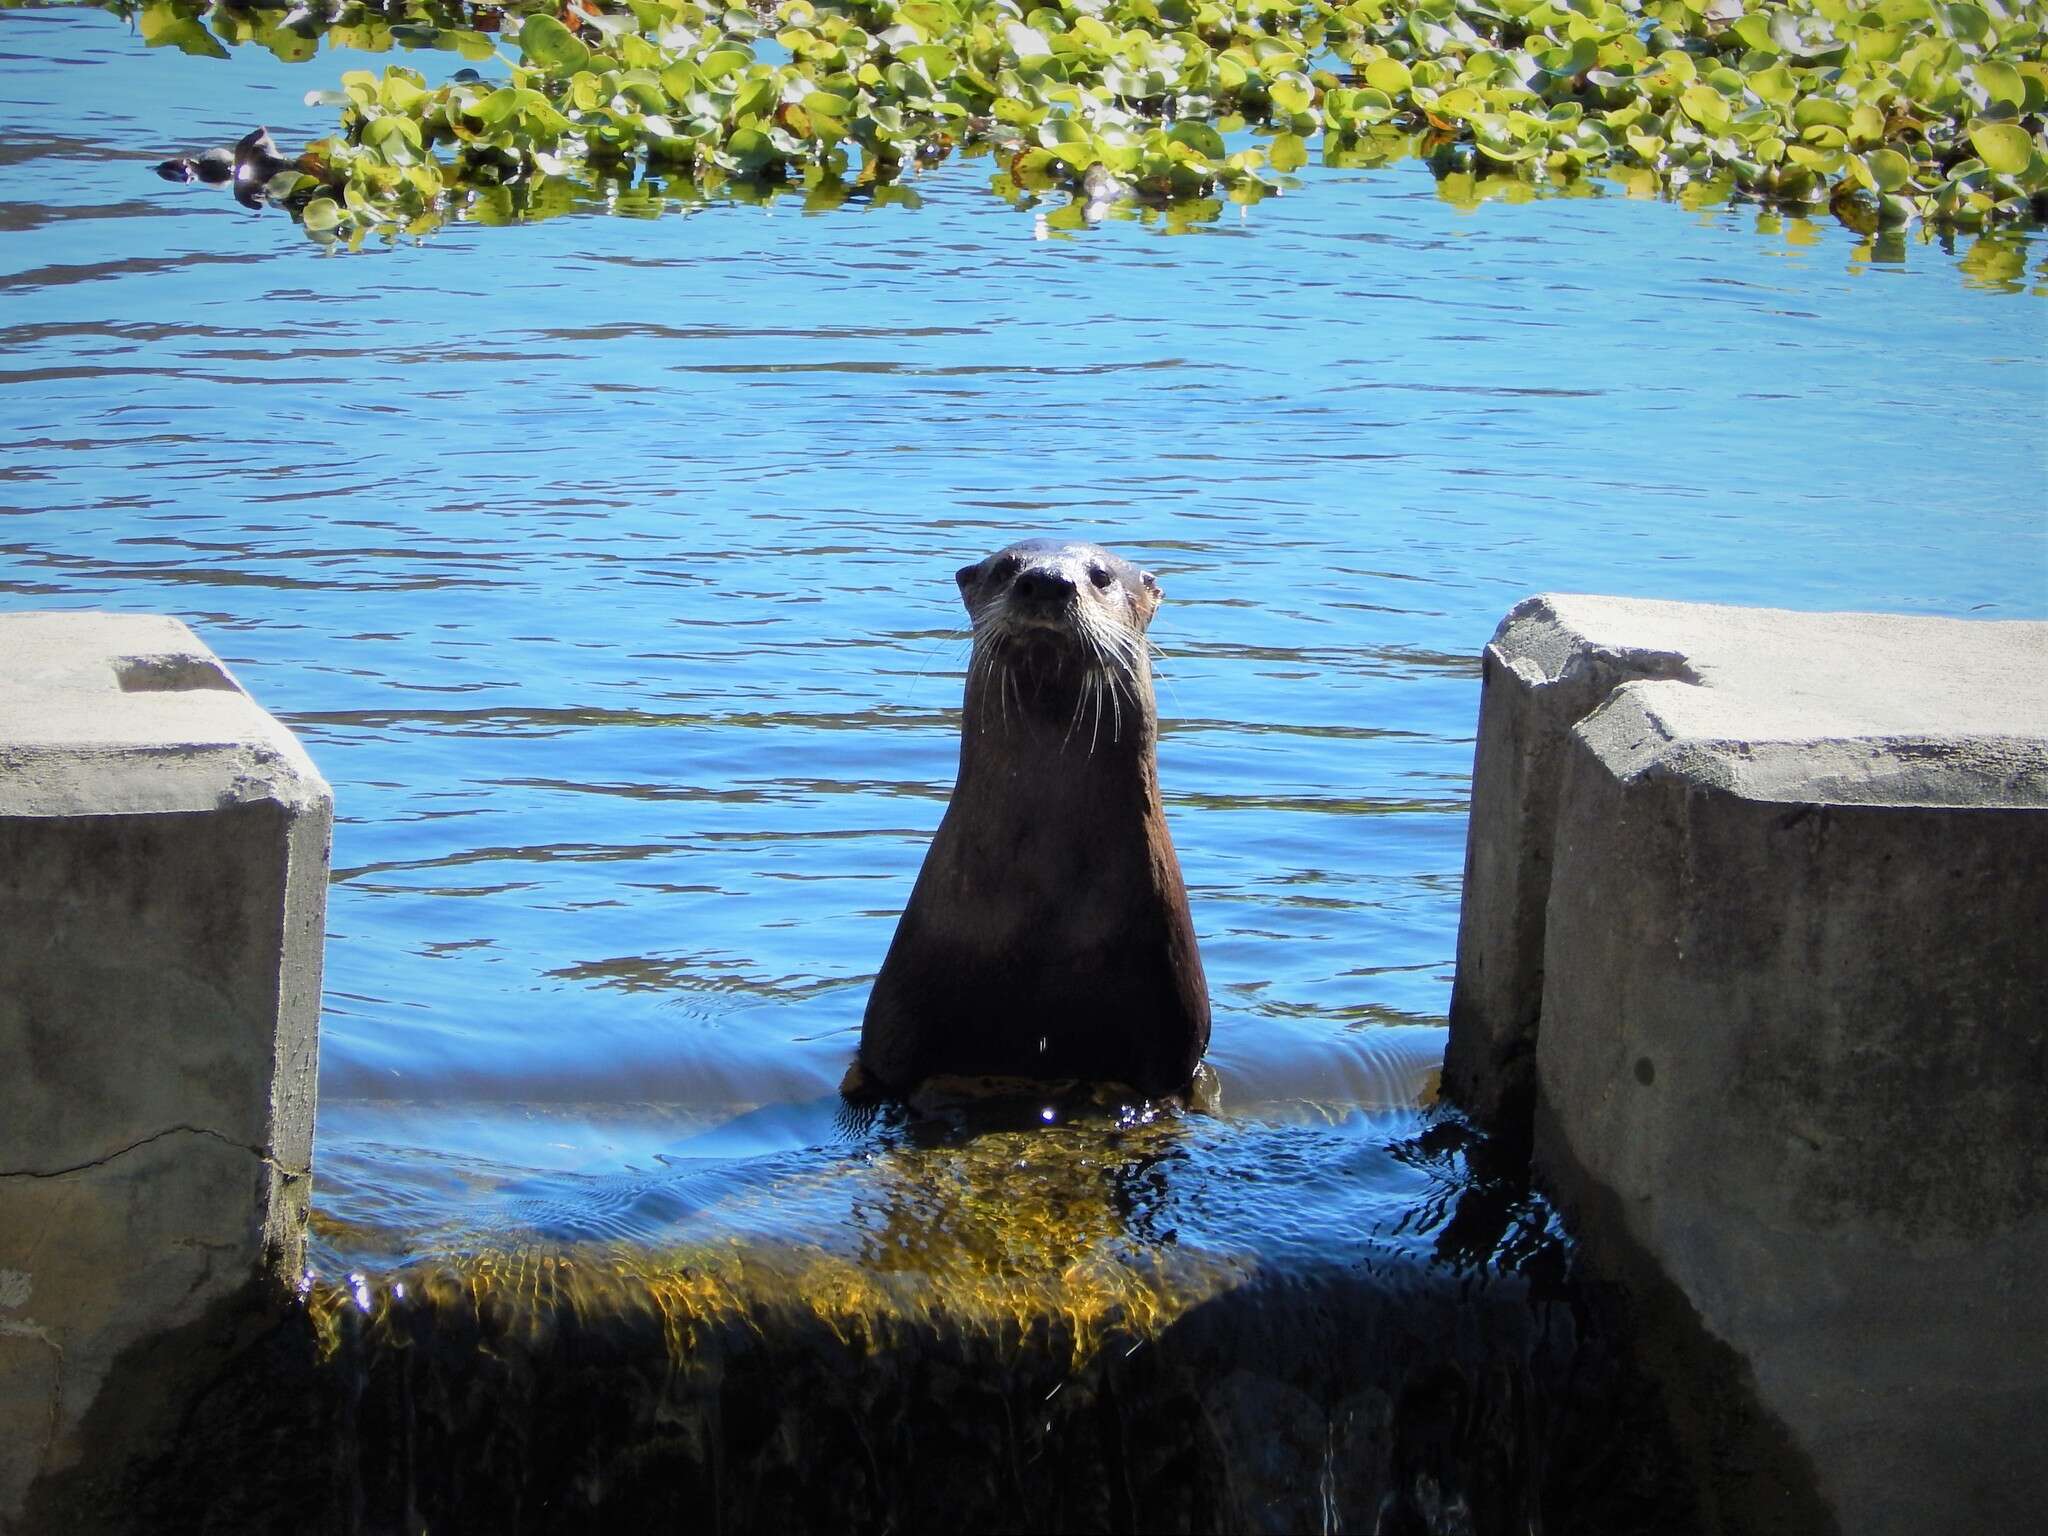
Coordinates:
<point>1291,94</point>
<point>1822,162</point>
<point>2005,147</point>
<point>750,149</point>
<point>1009,109</point>
<point>539,118</point>
<point>1200,137</point>
<point>323,213</point>
<point>397,139</point>
<point>939,61</point>
<point>399,94</point>
<point>1497,141</point>
<point>1581,56</point>
<point>1287,152</point>
<point>1063,132</point>
<point>1968,22</point>
<point>1705,106</point>
<point>725,61</point>
<point>1775,85</point>
<point>754,97</point>
<point>1389,75</point>
<point>1889,169</point>
<point>550,46</point>
<point>498,107</point>
<point>1755,30</point>
<point>163,27</point>
<point>1814,110</point>
<point>642,89</point>
<point>2001,83</point>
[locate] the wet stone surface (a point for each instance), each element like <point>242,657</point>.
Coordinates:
<point>1039,1331</point>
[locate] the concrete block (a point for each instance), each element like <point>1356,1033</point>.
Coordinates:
<point>163,877</point>
<point>1754,925</point>
<point>1537,680</point>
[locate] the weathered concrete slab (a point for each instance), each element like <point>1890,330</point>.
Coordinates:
<point>163,873</point>
<point>1754,925</point>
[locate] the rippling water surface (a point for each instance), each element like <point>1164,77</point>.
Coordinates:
<point>604,566</point>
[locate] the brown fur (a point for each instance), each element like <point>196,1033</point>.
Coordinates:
<point>1048,934</point>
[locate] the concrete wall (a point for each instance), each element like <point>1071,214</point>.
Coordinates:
<point>163,876</point>
<point>1753,942</point>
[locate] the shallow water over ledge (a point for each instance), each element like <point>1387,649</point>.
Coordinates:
<point>412,1182</point>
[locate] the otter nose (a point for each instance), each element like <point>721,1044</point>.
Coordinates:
<point>1044,586</point>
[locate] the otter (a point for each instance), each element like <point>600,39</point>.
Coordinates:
<point>1048,933</point>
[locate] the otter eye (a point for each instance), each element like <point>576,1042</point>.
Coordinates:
<point>1003,569</point>
<point>1099,574</point>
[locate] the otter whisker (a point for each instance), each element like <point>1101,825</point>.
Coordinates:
<point>1107,684</point>
<point>995,671</point>
<point>939,642</point>
<point>1005,679</point>
<point>1166,676</point>
<point>1074,721</point>
<point>1116,665</point>
<point>979,662</point>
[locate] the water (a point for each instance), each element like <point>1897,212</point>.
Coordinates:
<point>604,567</point>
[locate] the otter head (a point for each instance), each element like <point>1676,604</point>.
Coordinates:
<point>1060,625</point>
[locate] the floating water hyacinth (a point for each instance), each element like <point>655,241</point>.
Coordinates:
<point>1885,112</point>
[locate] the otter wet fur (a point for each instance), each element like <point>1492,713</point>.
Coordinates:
<point>1048,934</point>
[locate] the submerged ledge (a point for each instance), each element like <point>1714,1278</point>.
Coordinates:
<point>1015,1369</point>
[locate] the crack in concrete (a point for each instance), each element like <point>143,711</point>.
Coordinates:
<point>262,1154</point>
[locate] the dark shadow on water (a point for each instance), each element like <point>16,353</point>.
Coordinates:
<point>1481,1208</point>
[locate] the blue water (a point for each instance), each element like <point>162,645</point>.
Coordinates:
<point>604,567</point>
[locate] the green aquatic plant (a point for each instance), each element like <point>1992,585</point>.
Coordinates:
<point>1887,113</point>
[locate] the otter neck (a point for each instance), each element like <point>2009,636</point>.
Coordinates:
<point>1053,728</point>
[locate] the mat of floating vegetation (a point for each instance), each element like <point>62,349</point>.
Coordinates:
<point>1886,112</point>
